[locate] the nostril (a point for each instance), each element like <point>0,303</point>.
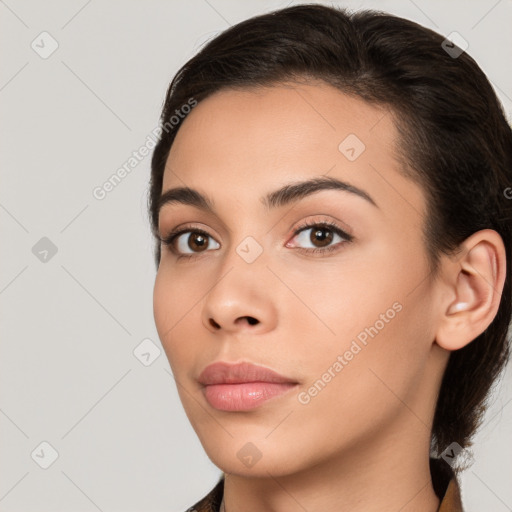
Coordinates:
<point>252,320</point>
<point>214,323</point>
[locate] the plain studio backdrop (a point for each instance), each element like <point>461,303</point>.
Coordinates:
<point>89,413</point>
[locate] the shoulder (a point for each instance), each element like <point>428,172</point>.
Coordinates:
<point>451,501</point>
<point>446,486</point>
<point>210,502</point>
<point>444,481</point>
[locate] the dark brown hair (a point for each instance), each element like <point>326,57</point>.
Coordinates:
<point>454,140</point>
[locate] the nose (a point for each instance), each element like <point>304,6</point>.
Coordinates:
<point>243,319</point>
<point>240,300</point>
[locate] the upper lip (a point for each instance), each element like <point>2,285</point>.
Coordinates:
<point>227,373</point>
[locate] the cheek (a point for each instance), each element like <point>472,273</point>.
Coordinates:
<point>175,307</point>
<point>374,311</point>
<point>358,380</point>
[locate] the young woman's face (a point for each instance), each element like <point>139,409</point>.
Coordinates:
<point>328,287</point>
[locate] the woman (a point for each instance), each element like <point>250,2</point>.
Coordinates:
<point>333,250</point>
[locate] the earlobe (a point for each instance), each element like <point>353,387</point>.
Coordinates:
<point>476,283</point>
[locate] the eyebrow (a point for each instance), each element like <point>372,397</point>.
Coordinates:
<point>287,194</point>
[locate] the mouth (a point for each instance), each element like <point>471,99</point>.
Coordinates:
<point>243,386</point>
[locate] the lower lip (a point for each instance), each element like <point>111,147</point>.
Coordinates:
<point>244,396</point>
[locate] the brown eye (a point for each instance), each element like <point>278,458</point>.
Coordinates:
<point>322,235</point>
<point>197,242</point>
<point>319,237</point>
<point>193,241</point>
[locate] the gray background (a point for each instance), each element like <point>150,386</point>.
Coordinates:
<point>71,323</point>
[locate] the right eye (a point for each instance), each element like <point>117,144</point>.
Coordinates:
<point>186,242</point>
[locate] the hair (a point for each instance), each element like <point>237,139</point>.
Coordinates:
<point>453,140</point>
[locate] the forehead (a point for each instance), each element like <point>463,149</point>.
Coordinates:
<point>239,143</point>
<point>286,120</point>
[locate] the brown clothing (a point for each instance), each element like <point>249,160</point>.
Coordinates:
<point>444,482</point>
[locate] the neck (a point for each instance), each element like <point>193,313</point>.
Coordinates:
<point>392,476</point>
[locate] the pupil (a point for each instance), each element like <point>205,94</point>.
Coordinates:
<point>199,241</point>
<point>318,236</point>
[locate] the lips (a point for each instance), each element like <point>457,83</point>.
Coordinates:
<point>241,387</point>
<point>224,373</point>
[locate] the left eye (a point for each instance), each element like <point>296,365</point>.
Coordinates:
<point>319,236</point>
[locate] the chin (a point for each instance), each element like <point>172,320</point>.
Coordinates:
<point>248,455</point>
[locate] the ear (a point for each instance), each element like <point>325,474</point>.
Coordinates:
<point>474,285</point>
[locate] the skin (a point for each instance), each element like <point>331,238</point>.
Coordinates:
<point>362,442</point>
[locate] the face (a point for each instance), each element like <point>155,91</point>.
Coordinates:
<point>326,285</point>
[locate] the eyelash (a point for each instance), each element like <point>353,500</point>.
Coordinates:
<point>171,237</point>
